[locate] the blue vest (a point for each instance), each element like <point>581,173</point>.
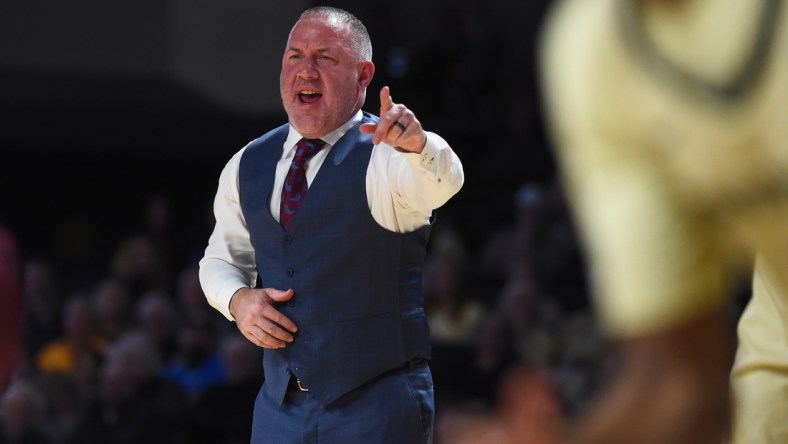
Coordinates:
<point>358,299</point>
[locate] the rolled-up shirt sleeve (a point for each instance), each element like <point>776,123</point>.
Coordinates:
<point>404,188</point>
<point>229,262</point>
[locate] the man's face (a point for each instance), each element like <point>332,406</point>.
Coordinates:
<point>322,82</point>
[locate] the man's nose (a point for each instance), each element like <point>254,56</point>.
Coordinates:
<point>308,70</point>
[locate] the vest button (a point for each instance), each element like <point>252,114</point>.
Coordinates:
<point>288,239</point>
<point>290,272</point>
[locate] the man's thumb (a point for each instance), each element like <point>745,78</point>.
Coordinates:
<point>279,295</point>
<point>368,128</point>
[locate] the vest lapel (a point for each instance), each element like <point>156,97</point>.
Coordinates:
<point>351,139</point>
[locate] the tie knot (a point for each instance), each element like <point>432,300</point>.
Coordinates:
<point>306,149</point>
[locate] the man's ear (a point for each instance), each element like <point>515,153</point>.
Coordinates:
<point>366,71</point>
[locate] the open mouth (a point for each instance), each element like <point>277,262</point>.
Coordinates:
<point>309,96</point>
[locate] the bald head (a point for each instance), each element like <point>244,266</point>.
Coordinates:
<point>340,18</point>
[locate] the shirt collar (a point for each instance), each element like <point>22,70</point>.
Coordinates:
<point>331,138</point>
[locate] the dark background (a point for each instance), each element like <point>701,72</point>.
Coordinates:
<point>103,105</point>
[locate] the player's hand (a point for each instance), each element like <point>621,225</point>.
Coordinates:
<point>529,412</point>
<point>257,318</point>
<point>530,408</point>
<point>398,126</point>
<point>469,427</point>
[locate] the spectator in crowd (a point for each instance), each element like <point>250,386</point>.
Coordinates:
<point>134,404</point>
<point>111,303</point>
<point>197,364</point>
<point>453,313</point>
<point>223,413</point>
<point>80,349</point>
<point>189,294</point>
<point>42,305</point>
<point>157,318</point>
<point>139,264</point>
<point>21,412</point>
<point>66,403</point>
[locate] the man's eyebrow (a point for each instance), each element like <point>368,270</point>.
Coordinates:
<point>299,50</point>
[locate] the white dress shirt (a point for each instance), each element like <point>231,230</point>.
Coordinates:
<point>402,191</point>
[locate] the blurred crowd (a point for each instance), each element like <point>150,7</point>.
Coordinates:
<point>130,354</point>
<point>134,353</point>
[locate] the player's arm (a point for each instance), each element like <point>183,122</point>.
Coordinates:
<point>656,291</point>
<point>672,387</point>
<point>659,289</point>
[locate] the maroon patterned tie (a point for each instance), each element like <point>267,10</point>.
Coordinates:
<point>295,187</point>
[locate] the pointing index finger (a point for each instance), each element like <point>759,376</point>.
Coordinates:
<point>385,99</point>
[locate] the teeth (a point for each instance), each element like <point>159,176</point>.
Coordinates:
<point>309,93</point>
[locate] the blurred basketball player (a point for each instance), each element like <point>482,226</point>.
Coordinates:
<point>670,120</point>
